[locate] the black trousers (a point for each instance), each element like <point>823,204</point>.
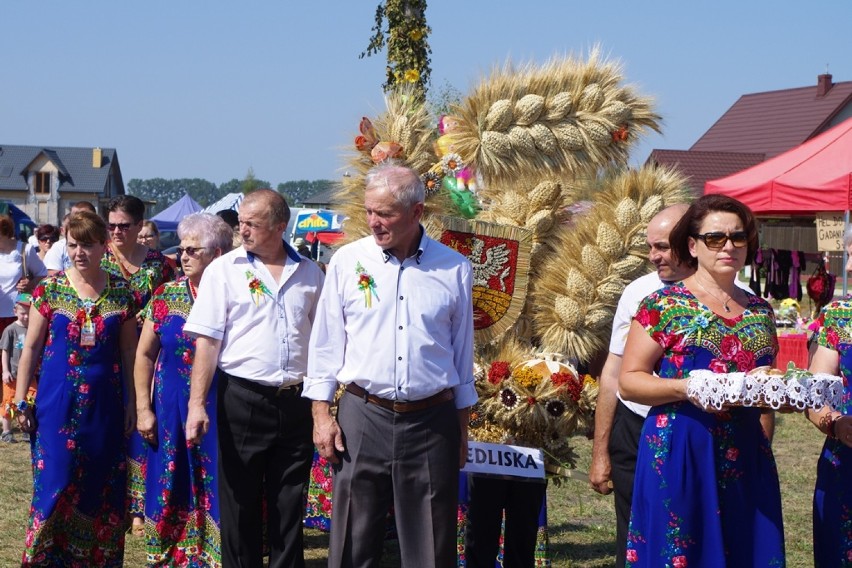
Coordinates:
<point>265,452</point>
<point>489,497</point>
<point>623,447</point>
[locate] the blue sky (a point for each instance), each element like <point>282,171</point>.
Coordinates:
<point>185,88</point>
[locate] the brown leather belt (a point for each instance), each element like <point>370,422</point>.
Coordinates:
<point>399,406</point>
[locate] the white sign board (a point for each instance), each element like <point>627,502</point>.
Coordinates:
<point>501,459</point>
<point>830,229</point>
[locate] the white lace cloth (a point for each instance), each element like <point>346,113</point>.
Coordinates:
<point>798,391</point>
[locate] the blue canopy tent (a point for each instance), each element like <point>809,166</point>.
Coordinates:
<point>24,226</point>
<point>168,218</point>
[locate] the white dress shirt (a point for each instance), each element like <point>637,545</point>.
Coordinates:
<point>628,305</point>
<point>411,340</point>
<point>264,334</point>
<point>56,258</point>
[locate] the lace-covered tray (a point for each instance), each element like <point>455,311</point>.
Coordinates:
<point>794,390</point>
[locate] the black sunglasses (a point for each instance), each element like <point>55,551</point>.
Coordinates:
<point>120,226</point>
<point>193,252</point>
<point>717,240</point>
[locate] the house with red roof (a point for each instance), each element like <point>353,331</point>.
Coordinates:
<point>760,126</point>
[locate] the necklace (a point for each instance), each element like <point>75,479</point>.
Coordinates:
<point>724,304</point>
<point>193,291</point>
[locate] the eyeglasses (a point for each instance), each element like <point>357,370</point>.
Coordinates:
<point>122,227</point>
<point>193,252</point>
<point>146,237</point>
<point>47,240</point>
<point>716,241</point>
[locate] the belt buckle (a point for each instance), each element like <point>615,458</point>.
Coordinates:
<point>287,390</point>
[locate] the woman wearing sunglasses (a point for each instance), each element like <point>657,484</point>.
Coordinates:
<point>706,490</point>
<point>47,235</point>
<point>183,521</point>
<point>145,269</point>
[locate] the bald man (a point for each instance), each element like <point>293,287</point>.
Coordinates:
<point>618,422</point>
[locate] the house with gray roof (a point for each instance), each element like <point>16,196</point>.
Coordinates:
<point>44,181</point>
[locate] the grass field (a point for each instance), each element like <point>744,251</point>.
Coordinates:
<point>581,522</point>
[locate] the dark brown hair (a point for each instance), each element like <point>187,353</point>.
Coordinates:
<point>49,231</point>
<point>7,226</point>
<point>690,226</point>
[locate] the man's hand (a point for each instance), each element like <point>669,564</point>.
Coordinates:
<point>328,438</point>
<point>197,423</point>
<point>600,471</point>
<point>146,424</point>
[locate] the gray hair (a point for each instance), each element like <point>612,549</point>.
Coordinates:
<point>402,182</point>
<point>210,230</point>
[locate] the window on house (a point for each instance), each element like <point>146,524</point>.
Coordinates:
<point>42,183</point>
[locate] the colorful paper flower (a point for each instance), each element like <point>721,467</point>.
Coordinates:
<point>257,288</point>
<point>366,284</point>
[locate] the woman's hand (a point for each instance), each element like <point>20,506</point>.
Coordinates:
<point>23,285</point>
<point>843,430</point>
<point>26,420</point>
<point>146,425</point>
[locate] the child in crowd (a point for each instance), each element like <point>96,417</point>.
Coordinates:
<point>11,345</point>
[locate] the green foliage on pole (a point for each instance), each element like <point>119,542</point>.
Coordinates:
<point>406,38</point>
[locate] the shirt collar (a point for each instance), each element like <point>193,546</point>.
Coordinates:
<point>291,253</point>
<point>424,241</point>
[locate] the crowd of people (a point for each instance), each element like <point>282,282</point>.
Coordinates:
<point>187,408</point>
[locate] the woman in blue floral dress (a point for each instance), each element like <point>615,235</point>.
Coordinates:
<point>832,514</point>
<point>83,319</point>
<point>706,491</point>
<point>182,507</point>
<point>145,269</point>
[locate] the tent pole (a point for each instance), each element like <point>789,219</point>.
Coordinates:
<point>845,254</point>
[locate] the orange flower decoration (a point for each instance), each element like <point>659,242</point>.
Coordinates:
<point>385,151</point>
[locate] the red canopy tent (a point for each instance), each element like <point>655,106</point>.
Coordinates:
<point>815,176</point>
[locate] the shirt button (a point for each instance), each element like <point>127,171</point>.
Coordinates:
<point>400,327</point>
<point>399,358</point>
<point>400,297</point>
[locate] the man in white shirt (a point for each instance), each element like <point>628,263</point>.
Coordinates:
<point>618,422</point>
<point>252,318</point>
<point>56,259</point>
<point>395,326</point>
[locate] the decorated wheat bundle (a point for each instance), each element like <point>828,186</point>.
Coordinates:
<point>540,402</point>
<point>575,297</point>
<point>404,132</point>
<point>562,118</point>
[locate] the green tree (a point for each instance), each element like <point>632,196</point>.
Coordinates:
<point>442,101</point>
<point>406,38</point>
<point>250,183</point>
<point>297,191</point>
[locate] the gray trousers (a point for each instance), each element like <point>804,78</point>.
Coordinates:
<point>408,460</point>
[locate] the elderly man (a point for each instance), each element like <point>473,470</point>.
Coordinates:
<point>395,326</point>
<point>252,318</point>
<point>618,422</point>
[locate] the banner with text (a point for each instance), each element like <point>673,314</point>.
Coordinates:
<point>502,459</point>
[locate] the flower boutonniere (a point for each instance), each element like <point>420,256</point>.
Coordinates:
<point>366,284</point>
<point>257,289</point>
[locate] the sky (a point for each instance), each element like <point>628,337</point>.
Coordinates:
<point>210,89</point>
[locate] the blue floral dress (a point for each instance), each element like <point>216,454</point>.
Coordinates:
<point>154,271</point>
<point>182,506</point>
<point>79,462</point>
<point>833,491</point>
<point>706,491</point>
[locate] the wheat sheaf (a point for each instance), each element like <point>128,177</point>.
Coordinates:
<point>575,297</point>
